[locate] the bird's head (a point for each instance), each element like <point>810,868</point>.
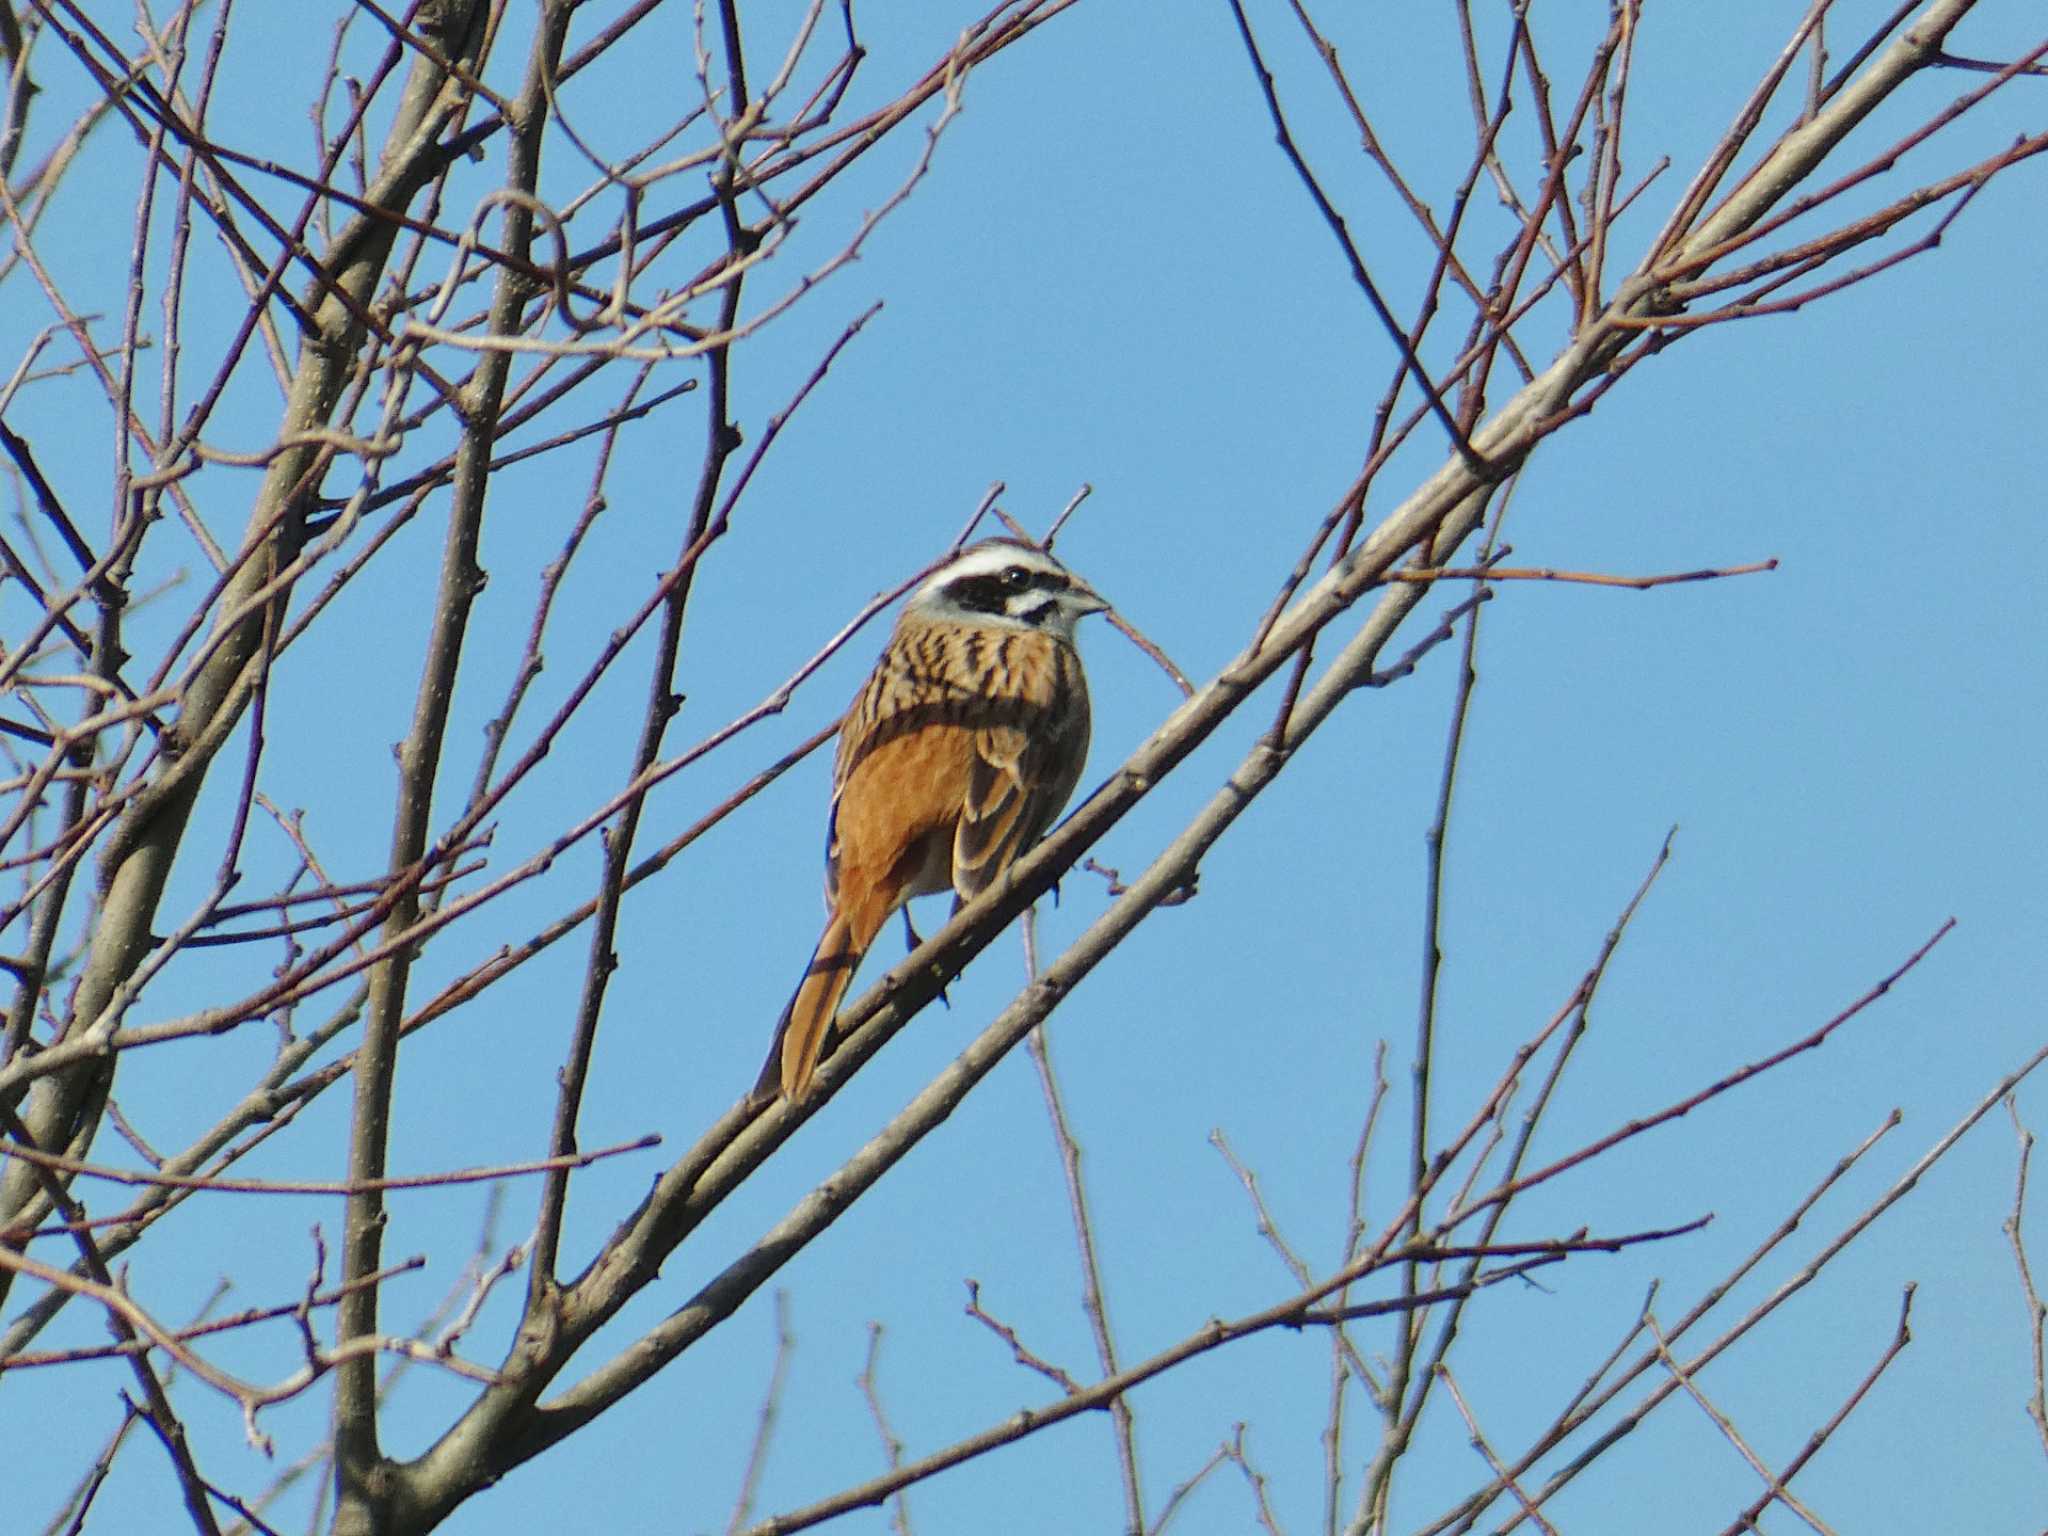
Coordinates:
<point>1010,584</point>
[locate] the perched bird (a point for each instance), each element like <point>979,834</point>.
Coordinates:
<point>955,757</point>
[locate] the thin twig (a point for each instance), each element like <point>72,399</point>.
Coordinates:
<point>1478,1439</point>
<point>1094,1301</point>
<point>2037,1312</point>
<point>161,1180</point>
<point>892,1447</point>
<point>1425,575</point>
<point>1774,1485</point>
<point>765,1420</point>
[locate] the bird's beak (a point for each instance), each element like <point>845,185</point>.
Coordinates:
<point>1084,599</point>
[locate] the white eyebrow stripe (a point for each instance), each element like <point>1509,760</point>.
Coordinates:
<point>992,560</point>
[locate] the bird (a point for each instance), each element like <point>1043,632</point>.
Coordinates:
<point>958,751</point>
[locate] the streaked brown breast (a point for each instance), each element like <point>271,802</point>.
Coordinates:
<point>957,755</point>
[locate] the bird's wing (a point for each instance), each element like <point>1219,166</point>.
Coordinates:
<point>1020,778</point>
<point>1002,812</point>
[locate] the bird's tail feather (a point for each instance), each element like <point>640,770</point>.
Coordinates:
<point>801,1035</point>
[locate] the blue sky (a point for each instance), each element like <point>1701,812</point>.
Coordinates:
<point>1110,278</point>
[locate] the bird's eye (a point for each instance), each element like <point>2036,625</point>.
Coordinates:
<point>1016,578</point>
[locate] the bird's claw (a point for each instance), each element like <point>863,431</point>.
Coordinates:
<point>911,939</point>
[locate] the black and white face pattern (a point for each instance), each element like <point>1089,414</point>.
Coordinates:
<point>1009,585</point>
